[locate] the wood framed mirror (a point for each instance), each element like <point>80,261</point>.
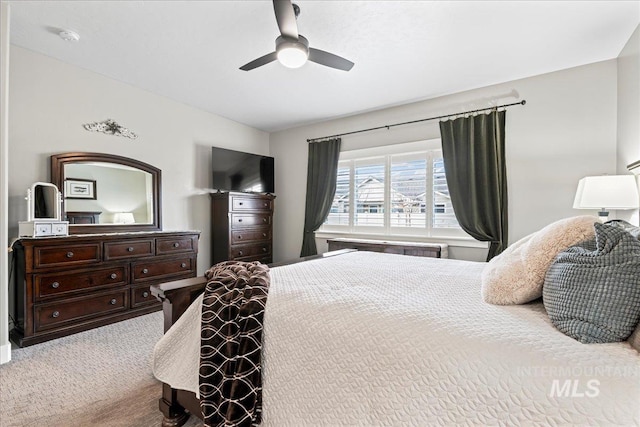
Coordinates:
<point>105,193</point>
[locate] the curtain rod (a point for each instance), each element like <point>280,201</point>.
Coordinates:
<point>523,102</point>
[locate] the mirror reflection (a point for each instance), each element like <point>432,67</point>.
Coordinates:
<point>107,193</point>
<point>43,200</point>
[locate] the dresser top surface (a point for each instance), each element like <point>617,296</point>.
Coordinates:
<point>224,194</point>
<point>117,235</point>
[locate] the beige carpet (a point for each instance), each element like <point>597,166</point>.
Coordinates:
<point>100,377</point>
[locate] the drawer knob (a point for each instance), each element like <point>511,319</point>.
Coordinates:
<point>130,249</point>
<point>113,301</point>
<point>239,219</point>
<point>175,245</point>
<point>145,294</point>
<point>113,275</point>
<point>55,314</point>
<point>69,254</point>
<point>183,265</point>
<point>145,270</point>
<point>265,204</point>
<point>239,237</point>
<point>240,253</point>
<point>264,234</point>
<point>55,285</point>
<point>241,203</point>
<point>264,219</point>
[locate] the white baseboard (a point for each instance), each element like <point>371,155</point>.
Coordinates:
<point>5,353</point>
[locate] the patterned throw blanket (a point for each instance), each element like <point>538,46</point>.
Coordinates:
<point>230,371</point>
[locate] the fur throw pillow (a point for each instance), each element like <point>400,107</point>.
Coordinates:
<point>516,275</point>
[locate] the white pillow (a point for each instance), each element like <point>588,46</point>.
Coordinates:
<point>516,275</point>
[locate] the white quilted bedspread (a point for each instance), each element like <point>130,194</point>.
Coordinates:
<point>371,339</point>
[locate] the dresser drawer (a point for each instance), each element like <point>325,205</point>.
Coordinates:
<point>141,295</point>
<point>175,245</point>
<point>250,235</point>
<point>128,249</point>
<point>54,256</point>
<point>73,310</point>
<point>63,283</point>
<point>249,220</point>
<point>243,203</point>
<point>263,259</point>
<point>162,269</point>
<point>250,250</point>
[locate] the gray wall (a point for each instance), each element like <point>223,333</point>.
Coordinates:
<point>49,103</point>
<point>566,131</point>
<point>629,111</point>
<point>5,345</point>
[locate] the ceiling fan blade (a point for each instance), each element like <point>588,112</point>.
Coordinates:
<point>286,18</point>
<point>269,57</point>
<point>329,59</point>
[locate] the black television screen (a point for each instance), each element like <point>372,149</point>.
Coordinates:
<point>239,171</point>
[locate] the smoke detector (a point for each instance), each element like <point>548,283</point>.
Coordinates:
<point>68,35</point>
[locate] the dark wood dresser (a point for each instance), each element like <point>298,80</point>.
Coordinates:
<point>69,284</point>
<point>92,217</point>
<point>433,250</point>
<point>242,226</point>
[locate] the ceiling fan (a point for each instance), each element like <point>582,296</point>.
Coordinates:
<point>292,49</point>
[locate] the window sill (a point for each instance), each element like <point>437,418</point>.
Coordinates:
<point>465,242</point>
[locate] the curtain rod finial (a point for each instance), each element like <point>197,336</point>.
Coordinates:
<point>523,102</point>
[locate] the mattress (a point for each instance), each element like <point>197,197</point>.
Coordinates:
<point>373,339</point>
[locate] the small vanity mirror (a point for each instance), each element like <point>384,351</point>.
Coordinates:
<point>107,193</point>
<point>43,201</point>
<point>43,212</point>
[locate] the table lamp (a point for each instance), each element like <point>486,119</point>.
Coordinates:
<point>124,218</point>
<point>606,192</point>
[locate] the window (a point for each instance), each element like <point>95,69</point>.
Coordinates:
<point>394,190</point>
<point>368,190</point>
<point>339,213</point>
<point>408,188</point>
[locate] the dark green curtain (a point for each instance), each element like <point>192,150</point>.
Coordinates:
<point>321,187</point>
<point>474,160</point>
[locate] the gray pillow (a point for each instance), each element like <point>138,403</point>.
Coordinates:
<point>592,293</point>
<point>635,231</point>
<point>634,339</point>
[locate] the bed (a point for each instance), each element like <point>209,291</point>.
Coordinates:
<point>373,339</point>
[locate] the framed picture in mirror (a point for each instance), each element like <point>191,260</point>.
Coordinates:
<point>76,188</point>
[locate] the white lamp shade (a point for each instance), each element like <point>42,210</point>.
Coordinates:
<point>123,218</point>
<point>607,192</point>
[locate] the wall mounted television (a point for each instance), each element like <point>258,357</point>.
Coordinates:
<point>239,171</point>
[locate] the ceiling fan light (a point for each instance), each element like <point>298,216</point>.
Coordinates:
<point>292,56</point>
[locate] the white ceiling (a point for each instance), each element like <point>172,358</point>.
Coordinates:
<point>403,51</point>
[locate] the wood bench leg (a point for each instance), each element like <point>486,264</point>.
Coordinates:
<point>176,297</point>
<point>174,415</point>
